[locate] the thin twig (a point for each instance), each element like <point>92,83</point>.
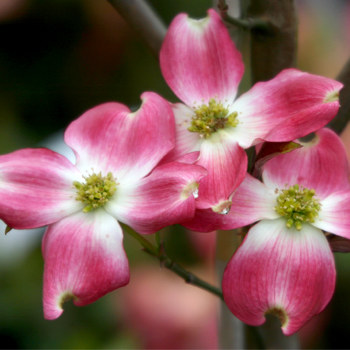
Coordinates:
<point>159,253</point>
<point>222,6</point>
<point>189,277</point>
<point>144,21</point>
<point>247,23</point>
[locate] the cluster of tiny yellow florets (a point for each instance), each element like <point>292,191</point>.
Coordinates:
<point>210,118</point>
<point>96,190</point>
<point>298,205</point>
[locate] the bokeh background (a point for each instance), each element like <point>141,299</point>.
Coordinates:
<point>59,58</point>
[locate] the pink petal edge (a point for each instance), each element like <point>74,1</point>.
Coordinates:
<point>251,202</point>
<point>226,163</point>
<point>320,164</point>
<point>185,141</point>
<point>282,271</point>
<point>334,216</point>
<point>109,138</point>
<point>38,187</point>
<point>291,105</point>
<point>199,60</point>
<point>163,198</point>
<point>84,260</point>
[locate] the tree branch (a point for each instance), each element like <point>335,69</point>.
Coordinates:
<point>222,6</point>
<point>338,124</point>
<point>159,253</point>
<point>275,49</point>
<point>188,276</point>
<point>247,23</point>
<point>144,21</point>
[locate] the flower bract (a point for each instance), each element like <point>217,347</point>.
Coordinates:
<point>115,178</point>
<point>202,66</point>
<point>285,265</point>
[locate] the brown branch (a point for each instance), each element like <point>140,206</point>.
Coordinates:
<point>159,253</point>
<point>274,49</point>
<point>247,23</point>
<point>222,6</point>
<point>338,124</point>
<point>144,21</point>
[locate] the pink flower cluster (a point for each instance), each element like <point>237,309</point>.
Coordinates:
<point>185,163</point>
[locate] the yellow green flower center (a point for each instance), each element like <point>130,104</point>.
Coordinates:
<point>298,205</point>
<point>212,117</point>
<point>96,190</point>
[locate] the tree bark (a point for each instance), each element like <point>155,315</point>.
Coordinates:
<point>274,49</point>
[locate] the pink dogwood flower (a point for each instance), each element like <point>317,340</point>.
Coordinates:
<point>115,178</point>
<point>285,265</point>
<point>202,66</point>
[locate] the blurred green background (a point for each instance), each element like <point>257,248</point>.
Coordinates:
<point>59,58</point>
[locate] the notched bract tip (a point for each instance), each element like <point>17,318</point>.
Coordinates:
<point>7,229</point>
<point>332,96</point>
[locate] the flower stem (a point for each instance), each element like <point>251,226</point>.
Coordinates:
<point>149,247</point>
<point>189,277</point>
<point>247,23</point>
<point>222,6</point>
<point>159,253</point>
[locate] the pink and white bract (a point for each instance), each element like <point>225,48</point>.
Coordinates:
<point>203,68</point>
<point>285,265</point>
<point>115,178</point>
